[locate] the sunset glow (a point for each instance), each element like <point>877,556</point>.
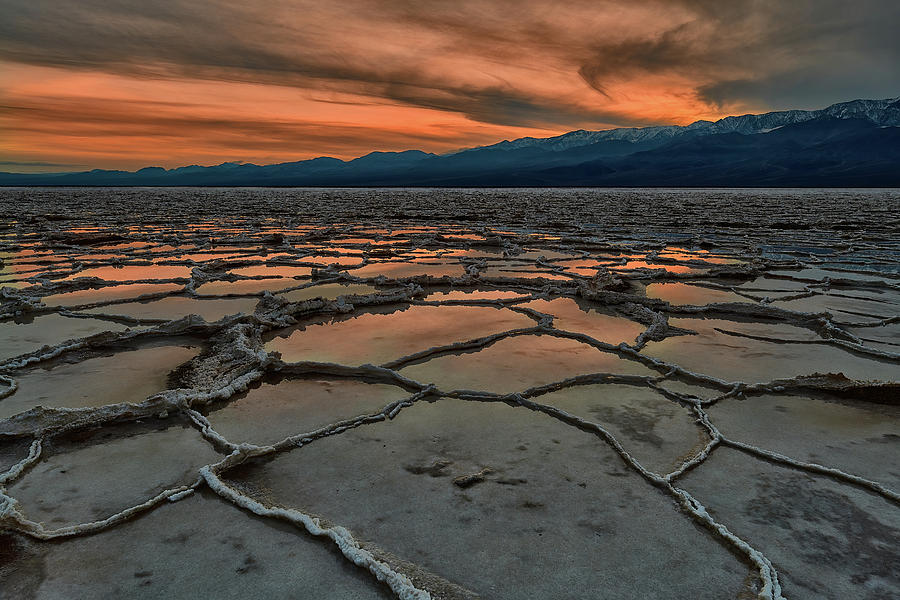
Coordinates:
<point>127,84</point>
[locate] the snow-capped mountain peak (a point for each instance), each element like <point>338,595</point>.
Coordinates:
<point>880,112</point>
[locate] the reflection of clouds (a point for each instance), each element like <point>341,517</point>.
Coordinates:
<point>134,272</point>
<point>378,337</point>
<point>683,293</point>
<point>117,292</point>
<point>517,363</point>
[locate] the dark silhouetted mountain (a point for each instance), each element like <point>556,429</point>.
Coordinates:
<point>849,144</point>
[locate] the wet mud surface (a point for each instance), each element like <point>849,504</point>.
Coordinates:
<point>296,395</point>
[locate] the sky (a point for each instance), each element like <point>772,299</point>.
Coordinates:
<point>130,83</point>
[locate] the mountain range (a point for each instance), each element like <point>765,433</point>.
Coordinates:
<point>852,144</point>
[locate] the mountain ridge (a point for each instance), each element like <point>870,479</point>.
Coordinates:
<point>873,110</point>
<point>735,150</point>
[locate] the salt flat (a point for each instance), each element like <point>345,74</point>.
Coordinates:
<point>491,393</point>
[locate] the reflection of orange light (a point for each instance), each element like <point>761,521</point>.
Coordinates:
<point>405,269</point>
<point>345,250</point>
<point>201,256</point>
<point>517,363</point>
<point>472,295</point>
<point>331,260</point>
<point>410,230</point>
<point>704,255</point>
<point>279,271</point>
<point>109,293</point>
<point>135,272</point>
<point>463,236</point>
<point>377,337</point>
<point>570,316</point>
<point>126,246</point>
<point>641,264</point>
<point>586,267</point>
<point>17,270</point>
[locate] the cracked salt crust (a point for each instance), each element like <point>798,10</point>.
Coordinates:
<point>544,378</point>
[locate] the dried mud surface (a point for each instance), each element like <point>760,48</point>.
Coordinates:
<point>449,394</point>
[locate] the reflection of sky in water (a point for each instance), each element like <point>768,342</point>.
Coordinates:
<point>569,316</point>
<point>52,329</point>
<point>515,364</point>
<point>378,338</point>
<point>541,463</point>
<point>129,376</point>
<point>683,293</point>
<point>116,292</point>
<point>135,272</point>
<point>272,271</point>
<point>249,286</point>
<point>735,358</point>
<point>396,270</point>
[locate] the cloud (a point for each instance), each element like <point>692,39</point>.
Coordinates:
<point>327,49</point>
<point>13,163</point>
<point>133,132</point>
<point>499,65</point>
<point>384,49</point>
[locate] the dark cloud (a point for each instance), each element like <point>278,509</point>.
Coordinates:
<point>225,41</point>
<point>813,51</point>
<point>798,54</point>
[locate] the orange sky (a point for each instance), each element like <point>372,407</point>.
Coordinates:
<point>128,83</point>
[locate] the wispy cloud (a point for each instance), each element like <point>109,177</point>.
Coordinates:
<point>13,163</point>
<point>467,69</point>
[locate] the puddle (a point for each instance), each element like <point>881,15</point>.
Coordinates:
<point>518,363</point>
<point>231,553</point>
<point>134,273</point>
<point>399,270</point>
<point>821,274</point>
<point>657,432</point>
<point>273,271</point>
<point>547,254</point>
<point>323,261</point>
<point>377,338</point>
<point>860,438</point>
<point>683,254</point>
<point>557,509</point>
<point>329,291</point>
<point>245,286</point>
<point>271,412</point>
<point>884,337</point>
<point>584,318</point>
<point>126,376</point>
<point>742,359</point>
<point>115,292</point>
<point>48,330</point>
<point>642,264</point>
<point>463,294</point>
<point>83,485</point>
<point>525,273</point>
<point>841,307</point>
<point>176,307</point>
<point>822,534</point>
<point>683,293</point>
